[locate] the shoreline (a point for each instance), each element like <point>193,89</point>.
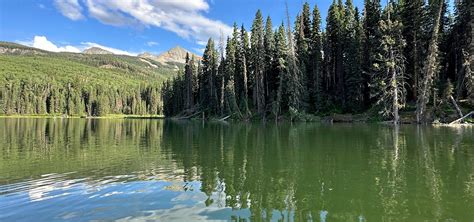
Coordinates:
<point>326,119</point>
<point>82,117</point>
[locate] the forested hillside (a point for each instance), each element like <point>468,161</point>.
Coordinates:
<point>33,81</point>
<point>409,56</point>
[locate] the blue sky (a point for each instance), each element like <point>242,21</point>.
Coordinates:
<point>133,26</point>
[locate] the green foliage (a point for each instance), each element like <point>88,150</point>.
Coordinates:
<point>390,81</point>
<point>257,62</point>
<point>315,80</point>
<point>209,78</point>
<point>412,18</point>
<point>39,82</point>
<point>354,81</point>
<point>371,46</point>
<point>376,62</point>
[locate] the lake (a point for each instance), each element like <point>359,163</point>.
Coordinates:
<point>136,170</point>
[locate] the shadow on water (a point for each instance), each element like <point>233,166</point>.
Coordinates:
<point>257,172</point>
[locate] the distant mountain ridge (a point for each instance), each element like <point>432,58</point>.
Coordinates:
<point>173,58</point>
<point>174,55</point>
<point>17,49</point>
<point>79,84</point>
<point>96,57</point>
<point>97,51</point>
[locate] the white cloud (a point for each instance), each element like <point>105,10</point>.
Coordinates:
<point>110,16</point>
<point>151,43</point>
<point>70,8</point>
<point>184,17</point>
<point>41,42</point>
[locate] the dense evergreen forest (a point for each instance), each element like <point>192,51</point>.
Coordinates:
<point>411,57</point>
<point>36,82</point>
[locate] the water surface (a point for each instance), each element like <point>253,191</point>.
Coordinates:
<point>135,170</point>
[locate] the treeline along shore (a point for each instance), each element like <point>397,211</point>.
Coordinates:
<point>406,62</point>
<point>34,82</point>
<point>410,61</point>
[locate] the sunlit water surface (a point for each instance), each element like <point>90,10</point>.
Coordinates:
<point>135,170</point>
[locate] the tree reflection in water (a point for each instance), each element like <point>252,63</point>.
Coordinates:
<point>342,172</point>
<point>287,172</point>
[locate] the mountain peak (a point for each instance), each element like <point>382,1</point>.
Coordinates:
<point>179,49</point>
<point>96,51</point>
<point>176,54</point>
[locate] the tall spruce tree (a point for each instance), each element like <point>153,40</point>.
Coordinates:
<point>295,84</point>
<point>242,70</point>
<point>352,59</point>
<point>269,76</point>
<point>462,48</point>
<point>412,19</point>
<point>335,56</point>
<point>209,72</point>
<point>258,63</point>
<point>371,46</point>
<point>231,106</point>
<point>281,69</point>
<point>189,81</point>
<point>221,80</point>
<point>315,78</point>
<point>302,40</point>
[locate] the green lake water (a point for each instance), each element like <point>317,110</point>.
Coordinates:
<point>156,170</point>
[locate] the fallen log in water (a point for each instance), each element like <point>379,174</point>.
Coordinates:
<point>224,119</point>
<point>187,117</point>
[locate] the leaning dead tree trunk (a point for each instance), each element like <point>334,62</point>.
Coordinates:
<point>460,120</point>
<point>430,68</point>
<point>456,106</point>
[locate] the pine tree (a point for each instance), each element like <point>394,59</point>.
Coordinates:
<point>471,50</point>
<point>371,46</point>
<point>258,62</point>
<point>430,68</point>
<point>188,78</point>
<point>315,77</point>
<point>335,56</point>
<point>280,64</point>
<point>302,38</point>
<point>352,59</point>
<point>269,76</point>
<point>154,101</point>
<point>221,80</point>
<point>166,97</point>
<point>103,105</point>
<point>390,81</point>
<point>209,72</point>
<point>462,48</point>
<point>469,76</point>
<point>242,69</point>
<point>412,19</point>
<point>295,85</point>
<point>231,106</point>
